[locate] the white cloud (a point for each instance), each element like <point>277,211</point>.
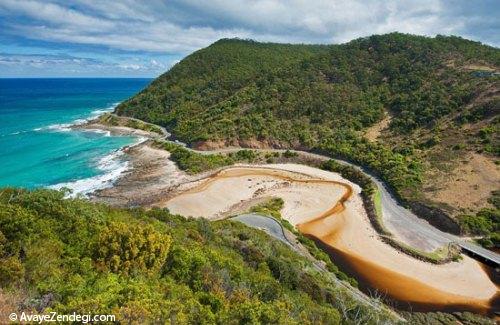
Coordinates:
<point>55,14</point>
<point>181,26</point>
<point>130,66</point>
<point>157,32</point>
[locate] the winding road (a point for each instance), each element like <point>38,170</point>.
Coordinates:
<point>400,221</point>
<point>274,228</point>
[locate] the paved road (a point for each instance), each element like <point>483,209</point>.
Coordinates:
<point>411,229</point>
<point>403,223</point>
<point>268,224</point>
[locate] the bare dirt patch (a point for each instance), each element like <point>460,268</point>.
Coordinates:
<point>468,186</point>
<point>373,132</point>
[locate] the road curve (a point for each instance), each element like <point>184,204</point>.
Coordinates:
<point>401,222</point>
<point>268,224</point>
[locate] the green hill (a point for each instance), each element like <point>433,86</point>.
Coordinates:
<point>211,76</point>
<point>439,97</point>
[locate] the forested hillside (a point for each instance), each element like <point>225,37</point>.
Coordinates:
<point>69,255</point>
<point>208,77</point>
<point>439,97</point>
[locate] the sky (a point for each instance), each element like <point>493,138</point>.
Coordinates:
<point>139,38</point>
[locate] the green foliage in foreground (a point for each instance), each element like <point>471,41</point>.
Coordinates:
<point>155,267</point>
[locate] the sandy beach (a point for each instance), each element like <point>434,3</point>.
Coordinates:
<point>220,194</point>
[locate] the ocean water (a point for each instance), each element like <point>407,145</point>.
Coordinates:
<point>37,147</point>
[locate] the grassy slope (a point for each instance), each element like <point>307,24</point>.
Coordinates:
<point>324,97</point>
<point>206,78</point>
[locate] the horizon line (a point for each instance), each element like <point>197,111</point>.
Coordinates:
<point>83,77</point>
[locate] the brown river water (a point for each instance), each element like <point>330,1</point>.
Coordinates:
<point>404,292</point>
<point>397,289</point>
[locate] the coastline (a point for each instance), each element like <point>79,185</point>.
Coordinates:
<point>149,177</point>
<point>94,125</point>
<point>114,165</point>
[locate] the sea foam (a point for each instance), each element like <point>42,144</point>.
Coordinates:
<point>99,112</point>
<point>66,127</point>
<point>113,166</point>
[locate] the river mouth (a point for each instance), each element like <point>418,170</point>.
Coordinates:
<point>404,286</point>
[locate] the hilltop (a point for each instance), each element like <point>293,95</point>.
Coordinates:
<point>421,112</point>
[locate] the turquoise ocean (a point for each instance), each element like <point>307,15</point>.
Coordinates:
<point>37,147</point>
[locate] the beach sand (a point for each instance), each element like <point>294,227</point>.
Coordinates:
<point>311,203</point>
<point>349,232</point>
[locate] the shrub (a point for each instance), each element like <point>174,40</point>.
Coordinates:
<point>132,249</point>
<point>11,271</point>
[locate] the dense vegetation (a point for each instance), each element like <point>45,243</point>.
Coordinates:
<point>485,223</point>
<point>194,163</point>
<point>287,91</point>
<point>348,172</point>
<point>325,97</point>
<point>151,266</point>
